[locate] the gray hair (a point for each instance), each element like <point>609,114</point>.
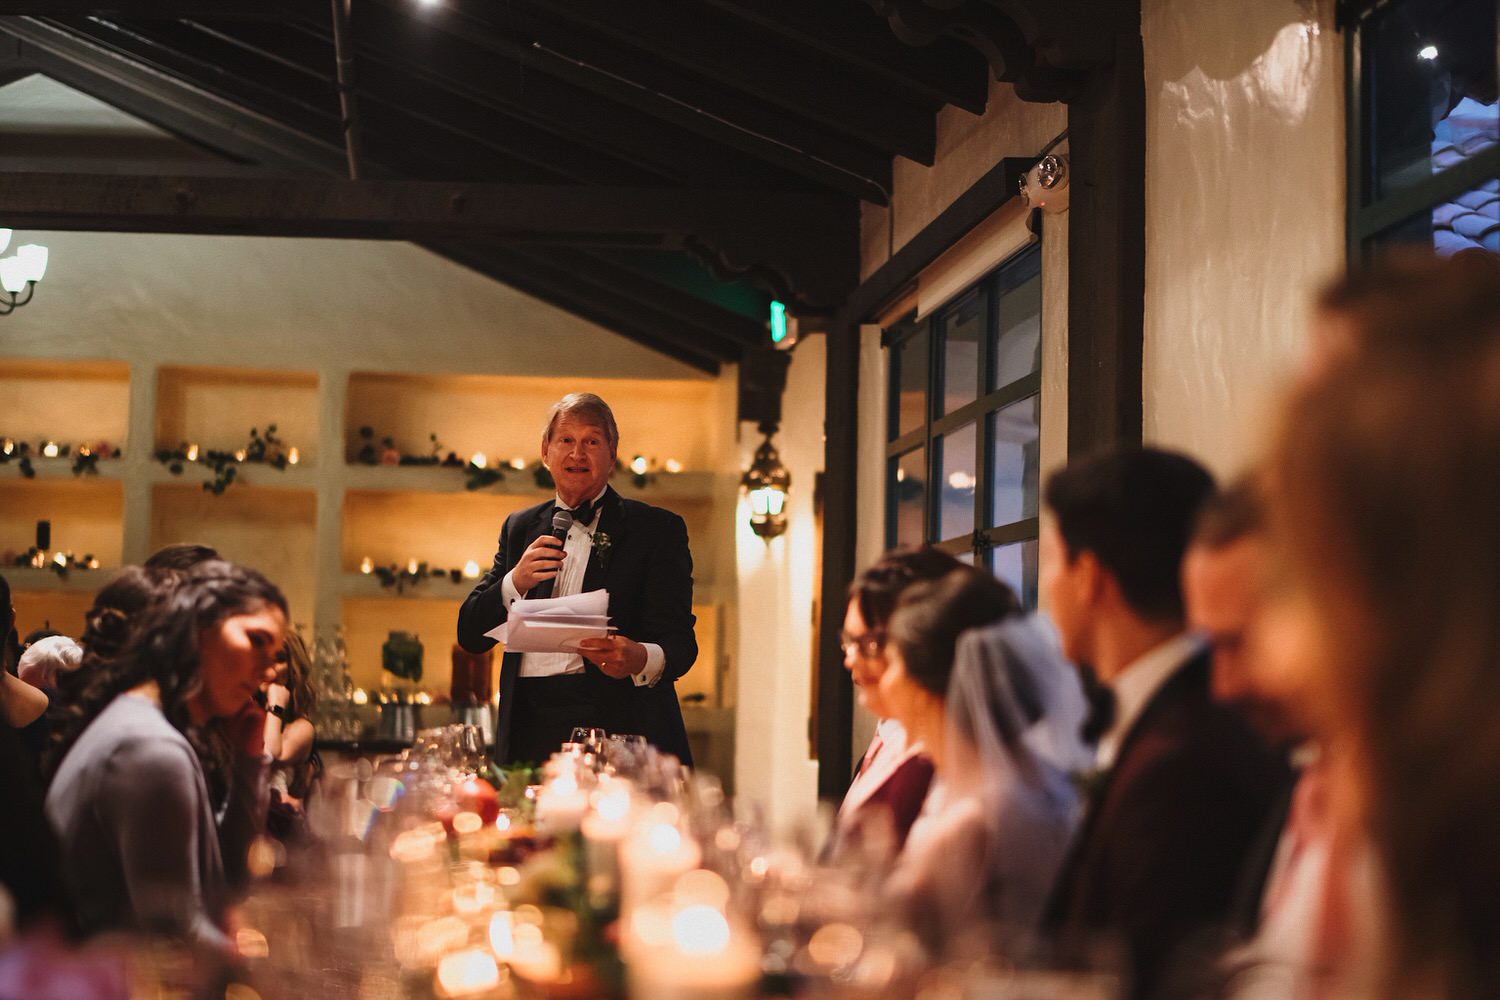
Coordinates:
<point>584,407</point>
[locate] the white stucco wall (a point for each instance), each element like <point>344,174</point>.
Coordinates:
<point>1244,209</point>
<point>778,585</point>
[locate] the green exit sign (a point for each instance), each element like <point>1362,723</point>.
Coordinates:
<point>778,321</point>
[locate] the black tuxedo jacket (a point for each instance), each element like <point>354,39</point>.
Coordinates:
<point>648,572</point>
<point>1158,859</point>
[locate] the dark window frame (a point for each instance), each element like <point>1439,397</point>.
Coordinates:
<point>986,536</point>
<point>1369,214</point>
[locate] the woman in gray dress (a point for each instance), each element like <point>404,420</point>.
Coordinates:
<point>139,843</point>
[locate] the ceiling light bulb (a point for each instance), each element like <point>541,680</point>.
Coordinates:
<point>35,257</point>
<point>13,272</point>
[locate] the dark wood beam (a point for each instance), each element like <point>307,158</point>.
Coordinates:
<point>708,45</point>
<point>250,10</point>
<point>578,295</point>
<point>803,242</point>
<point>840,527</point>
<point>1107,252</point>
<point>650,86</point>
<point>189,111</point>
<point>946,72</point>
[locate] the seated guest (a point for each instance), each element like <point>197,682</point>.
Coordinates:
<point>891,781</point>
<point>180,556</point>
<point>989,839</point>
<point>28,853</point>
<point>1225,578</point>
<point>1185,786</point>
<point>45,660</point>
<point>290,700</point>
<point>1383,492</point>
<point>139,844</point>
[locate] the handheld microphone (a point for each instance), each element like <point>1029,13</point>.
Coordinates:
<point>561,522</point>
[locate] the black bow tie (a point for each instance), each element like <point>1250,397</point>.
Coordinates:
<point>584,512</point>
<point>1101,715</point>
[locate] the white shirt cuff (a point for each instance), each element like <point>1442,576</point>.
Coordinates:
<point>508,588</point>
<point>655,661</point>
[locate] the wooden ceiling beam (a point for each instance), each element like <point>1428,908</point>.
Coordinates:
<point>802,246</point>
<point>704,42</point>
<point>248,10</point>
<point>736,122</point>
<point>577,294</point>
<point>946,72</point>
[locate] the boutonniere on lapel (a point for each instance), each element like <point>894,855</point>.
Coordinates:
<point>602,543</point>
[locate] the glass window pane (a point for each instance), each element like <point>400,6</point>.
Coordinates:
<point>1017,344</point>
<point>910,377</point>
<point>1016,565</point>
<point>1472,220</point>
<point>1432,94</point>
<point>962,327</point>
<point>1015,456</point>
<point>958,481</point>
<point>907,490</point>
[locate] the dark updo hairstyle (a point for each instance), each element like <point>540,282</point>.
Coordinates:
<point>182,556</point>
<point>162,646</point>
<point>876,590</point>
<point>930,616</point>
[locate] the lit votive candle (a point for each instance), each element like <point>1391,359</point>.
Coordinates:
<point>561,805</point>
<point>239,455</point>
<point>192,453</point>
<point>467,973</point>
<point>518,463</point>
<point>293,456</point>
<point>701,957</point>
<point>471,570</point>
<point>673,465</point>
<point>653,856</point>
<point>479,460</point>
<point>51,450</point>
<point>411,567</point>
<point>367,565</point>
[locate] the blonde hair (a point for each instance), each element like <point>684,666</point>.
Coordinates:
<point>1385,496</point>
<point>587,408</point>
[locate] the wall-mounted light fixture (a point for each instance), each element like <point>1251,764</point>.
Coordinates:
<point>20,272</point>
<point>766,483</point>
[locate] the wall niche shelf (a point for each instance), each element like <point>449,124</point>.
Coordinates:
<point>309,526</point>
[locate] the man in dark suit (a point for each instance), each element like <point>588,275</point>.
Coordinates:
<point>624,683</point>
<point>1183,785</point>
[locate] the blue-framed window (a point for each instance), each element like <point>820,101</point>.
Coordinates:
<point>1423,124</point>
<point>963,440</point>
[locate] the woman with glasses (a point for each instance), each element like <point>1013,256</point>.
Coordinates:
<point>891,781</point>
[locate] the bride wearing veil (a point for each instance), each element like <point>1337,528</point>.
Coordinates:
<point>1001,713</point>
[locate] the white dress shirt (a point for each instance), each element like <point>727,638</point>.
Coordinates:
<point>1138,683</point>
<point>578,547</point>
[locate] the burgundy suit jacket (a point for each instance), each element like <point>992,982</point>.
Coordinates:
<point>1157,861</point>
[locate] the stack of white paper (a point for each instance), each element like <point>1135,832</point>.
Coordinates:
<point>554,624</point>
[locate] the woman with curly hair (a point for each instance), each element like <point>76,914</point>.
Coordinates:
<point>136,827</point>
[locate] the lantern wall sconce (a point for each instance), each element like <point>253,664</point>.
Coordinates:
<point>766,483</point>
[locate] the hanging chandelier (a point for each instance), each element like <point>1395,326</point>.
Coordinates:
<point>20,272</point>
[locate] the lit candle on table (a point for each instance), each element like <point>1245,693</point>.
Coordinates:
<point>653,856</point>
<point>561,805</point>
<point>688,949</point>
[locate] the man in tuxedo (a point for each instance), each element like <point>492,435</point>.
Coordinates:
<point>1183,786</point>
<point>639,553</point>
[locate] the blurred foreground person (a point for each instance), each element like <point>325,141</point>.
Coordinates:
<point>129,800</point>
<point>290,700</point>
<point>984,851</point>
<point>1183,786</point>
<point>891,782</point>
<point>1383,492</point>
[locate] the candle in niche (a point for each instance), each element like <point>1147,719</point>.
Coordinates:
<point>479,460</point>
<point>367,565</point>
<point>61,559</point>
<point>239,455</point>
<point>192,452</point>
<point>518,463</point>
<point>471,570</point>
<point>7,446</point>
<point>293,456</point>
<point>411,567</point>
<point>51,450</point>
<point>673,465</point>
